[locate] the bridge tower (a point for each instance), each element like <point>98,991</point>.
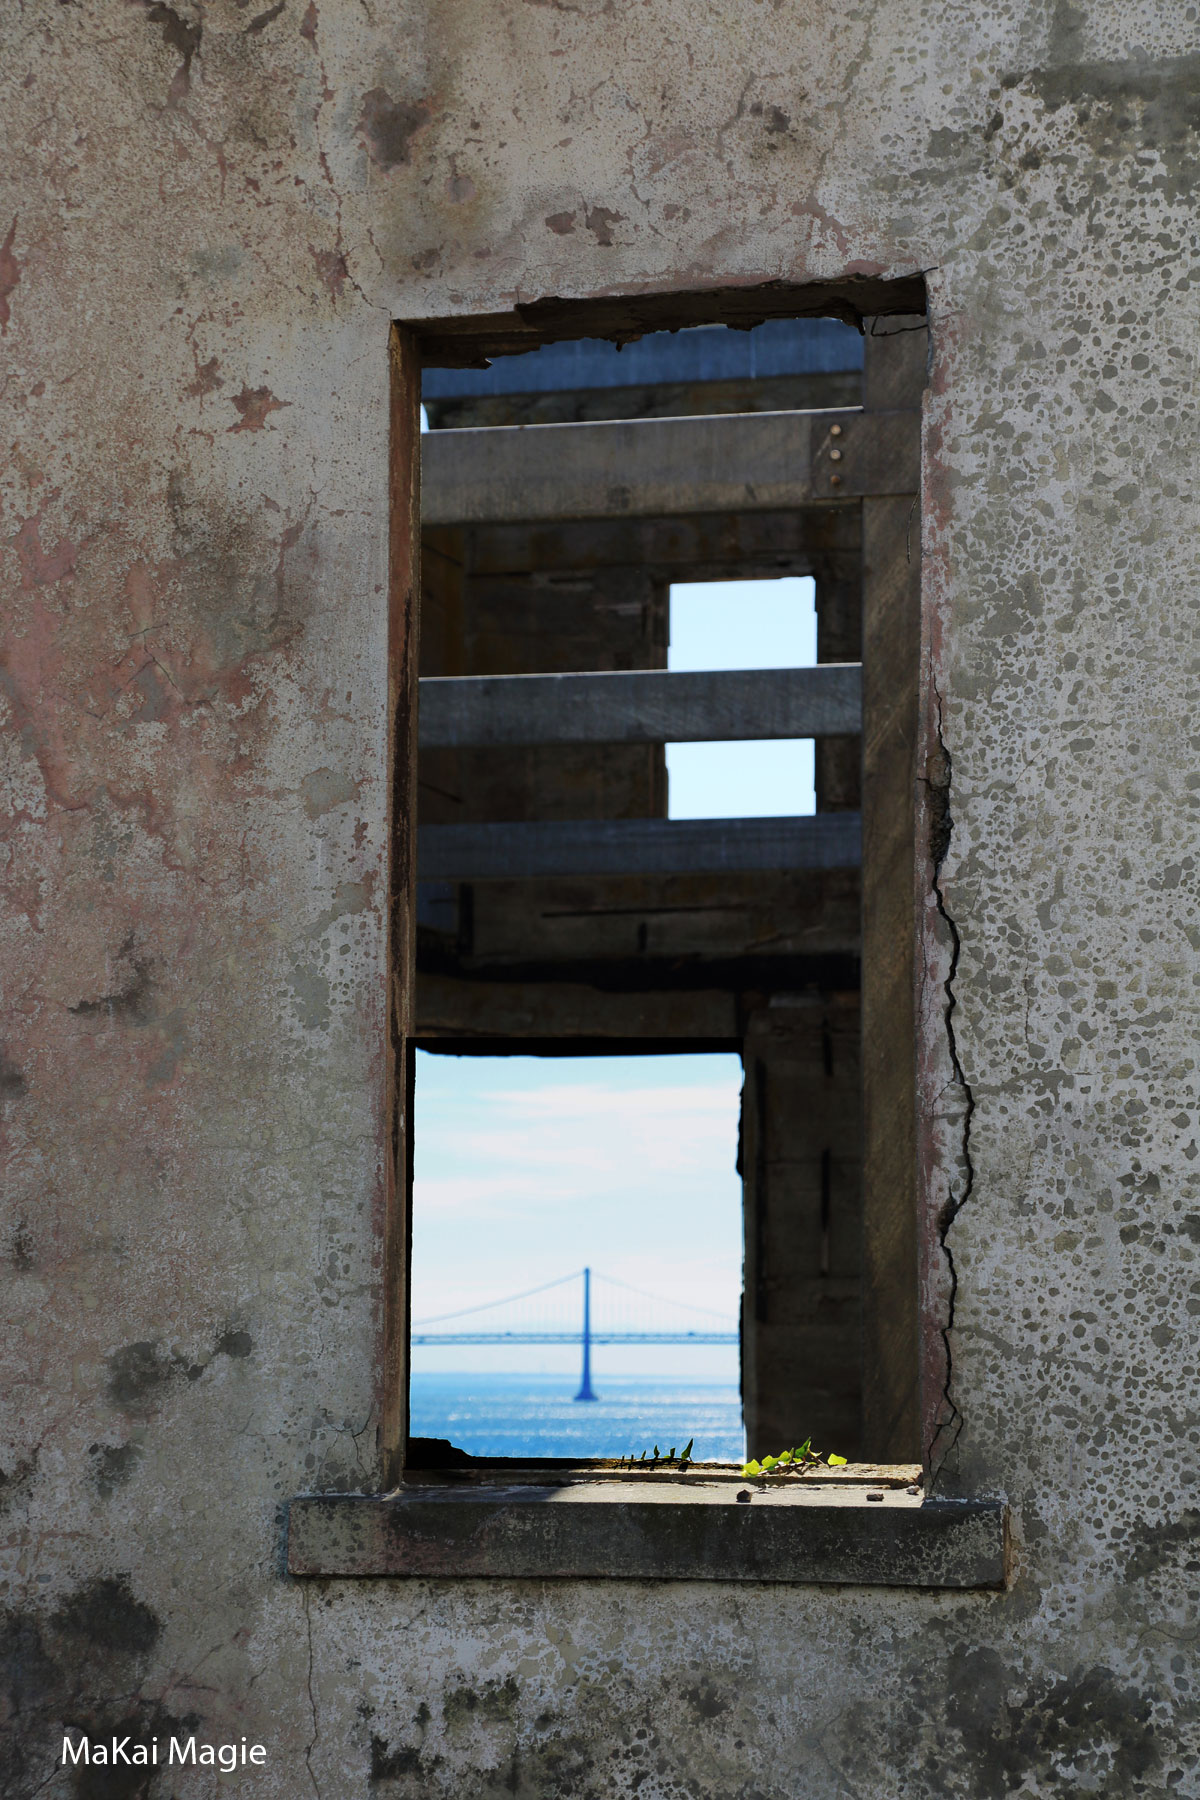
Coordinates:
<point>585,1385</point>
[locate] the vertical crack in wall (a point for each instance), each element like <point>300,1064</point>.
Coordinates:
<point>316,1729</point>
<point>960,1190</point>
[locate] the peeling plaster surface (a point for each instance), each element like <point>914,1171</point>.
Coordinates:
<point>208,215</point>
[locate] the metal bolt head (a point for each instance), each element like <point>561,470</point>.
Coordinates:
<point>835,456</point>
<point>835,431</point>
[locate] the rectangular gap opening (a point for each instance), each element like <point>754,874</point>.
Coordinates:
<point>558,960</point>
<point>742,624</point>
<point>531,1170</point>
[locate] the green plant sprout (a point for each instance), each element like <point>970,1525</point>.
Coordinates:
<point>681,1461</point>
<point>793,1462</point>
<point>787,1462</point>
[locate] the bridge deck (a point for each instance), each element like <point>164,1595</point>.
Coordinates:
<point>573,1337</point>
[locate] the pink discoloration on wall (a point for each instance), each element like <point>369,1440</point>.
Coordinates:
<point>331,267</point>
<point>10,274</point>
<point>390,127</point>
<point>35,675</point>
<point>207,380</point>
<point>42,567</point>
<point>254,405</point>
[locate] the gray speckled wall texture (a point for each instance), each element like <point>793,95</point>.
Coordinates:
<point>208,216</point>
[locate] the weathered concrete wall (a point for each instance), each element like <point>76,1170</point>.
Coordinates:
<point>209,215</point>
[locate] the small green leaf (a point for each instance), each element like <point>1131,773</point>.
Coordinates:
<point>671,1458</point>
<point>836,1462</point>
<point>656,1452</point>
<point>786,1457</point>
<point>752,1468</point>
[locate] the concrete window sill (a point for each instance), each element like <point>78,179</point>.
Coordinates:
<point>598,1525</point>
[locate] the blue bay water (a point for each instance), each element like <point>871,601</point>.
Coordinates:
<point>537,1415</point>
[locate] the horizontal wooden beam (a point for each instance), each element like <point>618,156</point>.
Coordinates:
<point>506,852</point>
<point>798,540</point>
<point>648,468</point>
<point>458,1008</point>
<point>641,706</point>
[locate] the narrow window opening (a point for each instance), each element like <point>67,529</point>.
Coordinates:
<point>587,889</point>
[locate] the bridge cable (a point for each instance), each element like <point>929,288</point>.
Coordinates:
<point>490,1305</point>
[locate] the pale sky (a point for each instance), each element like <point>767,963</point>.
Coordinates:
<point>528,1168</point>
<point>742,625</point>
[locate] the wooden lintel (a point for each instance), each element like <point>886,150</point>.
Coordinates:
<point>469,340</point>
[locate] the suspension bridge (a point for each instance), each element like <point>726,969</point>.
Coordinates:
<point>600,1310</point>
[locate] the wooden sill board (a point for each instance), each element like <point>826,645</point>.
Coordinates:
<point>687,1529</point>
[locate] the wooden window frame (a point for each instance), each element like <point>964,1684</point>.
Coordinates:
<point>900,1400</point>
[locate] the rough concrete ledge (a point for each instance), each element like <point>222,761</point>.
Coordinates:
<point>689,1530</point>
